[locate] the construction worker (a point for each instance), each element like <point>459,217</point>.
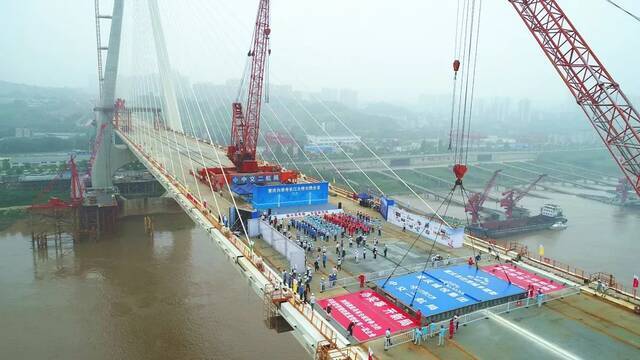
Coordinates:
<point>417,336</point>
<point>451,328</point>
<point>441,335</point>
<point>539,298</point>
<point>350,328</point>
<point>312,300</point>
<point>433,329</point>
<point>425,333</point>
<point>387,339</point>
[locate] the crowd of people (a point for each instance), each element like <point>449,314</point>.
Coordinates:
<point>299,283</point>
<point>313,234</point>
<point>422,333</point>
<point>315,227</point>
<point>354,237</point>
<point>354,224</point>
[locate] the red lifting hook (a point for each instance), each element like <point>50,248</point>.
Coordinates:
<point>456,67</point>
<point>459,170</point>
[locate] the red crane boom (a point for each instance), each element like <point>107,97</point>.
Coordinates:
<point>474,205</point>
<point>608,109</point>
<point>511,197</point>
<point>245,125</point>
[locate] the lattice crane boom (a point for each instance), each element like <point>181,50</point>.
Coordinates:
<point>476,201</point>
<point>608,109</point>
<point>511,197</point>
<point>246,124</point>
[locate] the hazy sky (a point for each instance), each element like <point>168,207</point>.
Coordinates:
<point>394,50</point>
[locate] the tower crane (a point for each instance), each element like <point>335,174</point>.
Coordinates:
<point>512,196</point>
<point>606,106</point>
<point>476,200</point>
<point>246,121</point>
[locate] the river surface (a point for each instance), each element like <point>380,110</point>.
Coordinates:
<point>599,236</point>
<point>127,297</point>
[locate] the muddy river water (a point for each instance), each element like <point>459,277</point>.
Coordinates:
<point>127,297</point>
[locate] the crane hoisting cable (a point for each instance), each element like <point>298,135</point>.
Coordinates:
<point>465,55</point>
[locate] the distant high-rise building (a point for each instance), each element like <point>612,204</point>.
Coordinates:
<point>348,97</point>
<point>524,111</point>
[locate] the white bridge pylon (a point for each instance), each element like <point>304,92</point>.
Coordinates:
<point>109,156</point>
<point>171,112</point>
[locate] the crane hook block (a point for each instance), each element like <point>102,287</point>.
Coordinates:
<point>459,170</point>
<point>267,31</point>
<point>456,65</point>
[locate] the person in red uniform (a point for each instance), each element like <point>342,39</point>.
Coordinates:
<point>451,328</point>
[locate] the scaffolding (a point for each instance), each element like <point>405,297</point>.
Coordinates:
<point>273,298</point>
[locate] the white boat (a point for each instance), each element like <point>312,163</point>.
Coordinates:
<point>558,226</point>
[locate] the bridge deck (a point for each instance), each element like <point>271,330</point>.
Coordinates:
<point>574,328</point>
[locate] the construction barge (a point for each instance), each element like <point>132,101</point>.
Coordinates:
<point>549,218</point>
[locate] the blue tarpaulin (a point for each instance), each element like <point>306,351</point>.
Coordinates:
<point>364,196</point>
<point>242,189</point>
<point>447,289</point>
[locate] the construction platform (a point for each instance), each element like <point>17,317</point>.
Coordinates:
<point>589,320</point>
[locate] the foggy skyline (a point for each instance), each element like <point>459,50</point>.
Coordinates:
<point>380,49</point>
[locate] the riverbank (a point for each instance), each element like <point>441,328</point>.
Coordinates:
<point>9,216</point>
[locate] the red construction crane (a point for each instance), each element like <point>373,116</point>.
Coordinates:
<point>96,146</point>
<point>608,109</point>
<point>246,122</point>
<point>76,190</point>
<point>476,200</point>
<point>245,125</point>
<point>512,196</point>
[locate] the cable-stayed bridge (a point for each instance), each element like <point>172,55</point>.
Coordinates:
<point>147,112</point>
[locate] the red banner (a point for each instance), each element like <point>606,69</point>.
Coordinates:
<point>371,313</point>
<point>523,278</point>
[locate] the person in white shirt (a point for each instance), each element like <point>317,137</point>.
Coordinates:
<point>312,300</point>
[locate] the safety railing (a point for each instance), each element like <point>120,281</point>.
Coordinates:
<point>319,322</point>
<point>250,254</point>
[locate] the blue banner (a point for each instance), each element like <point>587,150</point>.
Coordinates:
<point>275,196</point>
<point>385,203</point>
<point>443,290</point>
